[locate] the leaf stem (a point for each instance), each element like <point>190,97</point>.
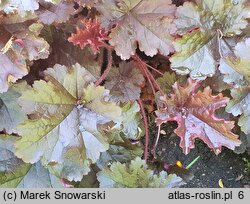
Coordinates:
<point>145,121</point>
<point>148,74</point>
<point>156,141</point>
<point>105,73</point>
<point>107,46</point>
<point>145,73</point>
<point>155,82</point>
<point>149,66</point>
<point>137,58</point>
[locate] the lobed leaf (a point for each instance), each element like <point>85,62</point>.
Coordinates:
<point>167,81</point>
<point>55,13</point>
<point>10,112</point>
<point>92,35</point>
<point>131,121</point>
<point>135,175</point>
<point>14,173</point>
<point>125,82</point>
<point>236,67</point>
<point>19,43</point>
<point>203,25</point>
<point>150,23</point>
<point>230,75</point>
<point>65,53</point>
<point>240,105</point>
<point>195,115</point>
<point>121,150</point>
<point>22,7</point>
<point>69,121</point>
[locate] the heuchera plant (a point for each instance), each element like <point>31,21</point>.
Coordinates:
<point>79,80</point>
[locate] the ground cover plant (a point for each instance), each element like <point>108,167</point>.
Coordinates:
<point>88,88</point>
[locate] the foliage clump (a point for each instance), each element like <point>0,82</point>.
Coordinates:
<point>79,80</point>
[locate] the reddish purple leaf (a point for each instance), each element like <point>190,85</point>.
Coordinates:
<point>195,115</point>
<point>92,35</point>
<point>125,82</point>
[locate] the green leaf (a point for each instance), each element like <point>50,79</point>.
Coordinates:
<point>240,105</point>
<point>193,55</point>
<point>10,112</point>
<point>88,181</point>
<point>236,65</point>
<point>135,175</point>
<point>230,75</point>
<point>69,121</point>
<point>167,81</point>
<point>10,6</point>
<point>15,173</point>
<point>203,25</point>
<point>245,145</point>
<point>131,121</point>
<point>121,150</point>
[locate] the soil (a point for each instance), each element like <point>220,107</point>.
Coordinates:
<point>210,168</point>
